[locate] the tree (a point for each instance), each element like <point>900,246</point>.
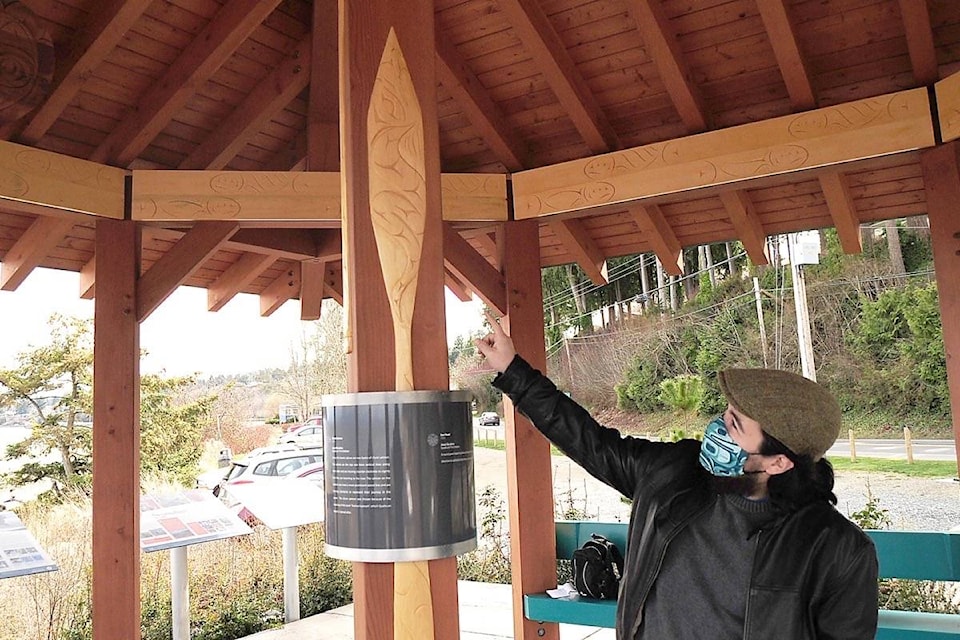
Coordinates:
<point>56,381</point>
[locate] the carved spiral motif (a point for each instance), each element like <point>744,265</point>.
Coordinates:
<point>26,61</point>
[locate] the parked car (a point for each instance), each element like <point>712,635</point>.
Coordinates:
<point>266,466</point>
<point>312,421</point>
<point>305,436</point>
<point>489,418</point>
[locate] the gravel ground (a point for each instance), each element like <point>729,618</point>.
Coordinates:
<point>917,504</point>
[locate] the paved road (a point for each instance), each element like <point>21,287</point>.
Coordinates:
<point>922,449</point>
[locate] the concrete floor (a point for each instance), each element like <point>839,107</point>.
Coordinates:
<point>486,613</point>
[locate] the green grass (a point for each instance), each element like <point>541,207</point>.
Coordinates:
<point>918,469</point>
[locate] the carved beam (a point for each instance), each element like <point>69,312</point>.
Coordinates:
<point>747,224</point>
<point>30,249</point>
<point>836,191</point>
<point>52,180</point>
<point>584,250</point>
<point>844,133</point>
<point>179,263</point>
<point>664,241</point>
<point>273,196</point>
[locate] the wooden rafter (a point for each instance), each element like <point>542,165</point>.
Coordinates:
<point>488,244</point>
<point>923,55</point>
<point>456,287</point>
<point>283,288</point>
<point>106,26</point>
<point>786,48</point>
<point>664,241</point>
<point>663,48</point>
<point>199,61</point>
<point>28,252</point>
<point>466,264</point>
<point>747,224</point>
<point>323,119</point>
<point>843,211</point>
<point>454,73</point>
<point>178,264</point>
<point>88,279</point>
<point>575,238</point>
<point>240,274</point>
<point>538,36</point>
<point>311,288</point>
<point>270,96</point>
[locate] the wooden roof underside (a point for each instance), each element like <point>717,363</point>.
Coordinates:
<point>633,98</point>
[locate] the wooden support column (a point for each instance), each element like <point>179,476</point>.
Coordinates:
<point>393,265</point>
<point>941,175</point>
<point>116,433</point>
<point>529,472</point>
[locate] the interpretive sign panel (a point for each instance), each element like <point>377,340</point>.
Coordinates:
<point>178,519</point>
<point>20,554</point>
<point>399,475</point>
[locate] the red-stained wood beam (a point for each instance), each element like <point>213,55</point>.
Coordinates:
<point>116,434</point>
<point>88,279</point>
<point>333,281</point>
<point>285,287</point>
<point>574,236</point>
<point>323,118</point>
<point>106,25</point>
<point>532,534</point>
<point>237,276</point>
<point>312,273</point>
<point>178,264</point>
<point>941,177</point>
<point>454,73</point>
<point>664,241</point>
<point>28,252</point>
<point>843,210</point>
<point>470,267</point>
<point>786,48</point>
<point>294,244</point>
<point>923,54</point>
<point>747,224</point>
<point>533,28</point>
<point>205,54</point>
<point>488,244</point>
<point>456,287</point>
<point>663,48</point>
<point>267,99</point>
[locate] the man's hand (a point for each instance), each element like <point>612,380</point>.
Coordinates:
<point>497,347</point>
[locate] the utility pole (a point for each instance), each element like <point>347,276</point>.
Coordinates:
<point>804,334</point>
<point>763,329</point>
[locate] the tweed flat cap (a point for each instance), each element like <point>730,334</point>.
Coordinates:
<point>798,412</point>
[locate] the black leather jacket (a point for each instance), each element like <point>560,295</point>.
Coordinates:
<point>814,571</point>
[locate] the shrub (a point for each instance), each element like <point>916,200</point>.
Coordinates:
<point>683,393</point>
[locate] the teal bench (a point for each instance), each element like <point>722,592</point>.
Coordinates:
<point>917,555</point>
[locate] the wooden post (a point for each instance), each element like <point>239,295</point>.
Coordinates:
<point>941,175</point>
<point>116,433</point>
<point>392,240</point>
<point>908,444</point>
<point>532,531</point>
<point>853,446</point>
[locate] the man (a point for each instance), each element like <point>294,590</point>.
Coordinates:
<point>734,537</point>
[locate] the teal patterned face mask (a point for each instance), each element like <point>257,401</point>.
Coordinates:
<point>719,454</point>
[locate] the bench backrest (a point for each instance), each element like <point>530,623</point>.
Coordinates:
<point>918,555</point>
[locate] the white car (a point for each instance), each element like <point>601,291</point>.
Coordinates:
<point>266,467</point>
<point>306,436</point>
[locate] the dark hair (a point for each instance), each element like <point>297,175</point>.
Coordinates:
<point>805,483</point>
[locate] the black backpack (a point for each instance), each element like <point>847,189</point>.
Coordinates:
<point>597,567</point>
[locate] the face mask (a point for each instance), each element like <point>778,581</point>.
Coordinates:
<point>719,454</point>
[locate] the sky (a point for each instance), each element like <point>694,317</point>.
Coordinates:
<point>181,337</point>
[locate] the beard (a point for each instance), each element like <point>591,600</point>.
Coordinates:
<point>744,485</point>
